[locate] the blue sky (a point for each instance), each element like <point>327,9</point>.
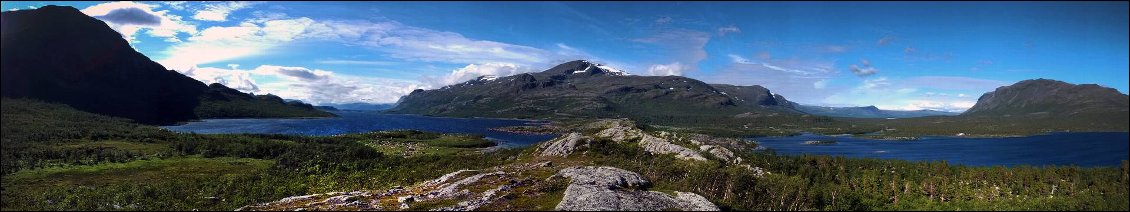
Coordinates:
<point>895,55</point>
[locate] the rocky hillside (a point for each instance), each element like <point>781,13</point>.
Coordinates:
<point>553,177</point>
<point>58,54</point>
<point>589,90</point>
<point>1045,97</point>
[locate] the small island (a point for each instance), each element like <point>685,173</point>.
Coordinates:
<point>820,142</point>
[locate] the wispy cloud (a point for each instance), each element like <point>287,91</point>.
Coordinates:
<point>128,18</point>
<point>943,93</point>
<point>684,46</point>
<point>864,70</point>
<point>357,62</point>
<point>219,11</point>
<point>221,43</point>
<point>309,85</point>
<point>885,40</point>
<point>722,31</point>
<point>981,65</point>
<point>803,80</point>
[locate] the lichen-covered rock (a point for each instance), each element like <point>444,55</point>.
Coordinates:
<point>607,123</point>
<point>694,202</point>
<point>757,171</point>
<point>446,177</point>
<point>452,190</point>
<point>721,153</point>
<point>620,133</point>
<point>564,145</point>
<point>610,177</point>
<point>658,145</point>
<point>613,189</point>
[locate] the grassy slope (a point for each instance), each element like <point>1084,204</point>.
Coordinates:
<point>58,158</point>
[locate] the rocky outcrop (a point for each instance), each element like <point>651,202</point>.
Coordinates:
<point>658,145</point>
<point>620,130</point>
<point>564,145</point>
<point>721,153</point>
<point>609,188</point>
<point>457,185</point>
<point>620,133</point>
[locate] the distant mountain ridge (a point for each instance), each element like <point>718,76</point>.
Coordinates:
<point>868,112</point>
<point>1045,97</point>
<point>584,89</point>
<point>59,54</point>
<point>361,106</point>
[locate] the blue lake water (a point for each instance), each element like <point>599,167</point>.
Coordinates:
<point>355,122</point>
<point>1082,149</point>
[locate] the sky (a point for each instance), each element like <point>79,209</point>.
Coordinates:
<point>894,55</point>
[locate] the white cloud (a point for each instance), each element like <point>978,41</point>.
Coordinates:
<point>917,93</point>
<point>309,85</point>
<point>219,11</point>
<point>178,5</point>
<point>128,18</point>
<point>954,106</point>
<point>664,20</point>
<point>821,84</point>
<point>730,29</point>
<point>473,71</point>
<point>672,69</point>
<point>221,43</point>
<point>233,78</point>
<point>393,39</point>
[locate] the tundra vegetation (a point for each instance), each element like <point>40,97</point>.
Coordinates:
<point>58,158</point>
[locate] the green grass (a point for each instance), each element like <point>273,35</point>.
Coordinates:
<point>838,183</point>
<point>177,182</point>
<point>57,158</point>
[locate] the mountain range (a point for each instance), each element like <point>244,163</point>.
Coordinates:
<point>58,54</point>
<point>868,112</point>
<point>589,90</point>
<point>583,89</point>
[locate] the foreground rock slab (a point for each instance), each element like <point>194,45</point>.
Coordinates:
<point>614,189</point>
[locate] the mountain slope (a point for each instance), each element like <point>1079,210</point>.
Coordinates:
<point>1049,98</point>
<point>583,89</point>
<point>59,54</point>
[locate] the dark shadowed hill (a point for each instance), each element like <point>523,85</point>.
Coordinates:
<point>1045,97</point>
<point>1027,107</point>
<point>58,54</point>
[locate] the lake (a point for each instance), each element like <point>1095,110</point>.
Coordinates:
<point>358,121</point>
<point>1083,149</point>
